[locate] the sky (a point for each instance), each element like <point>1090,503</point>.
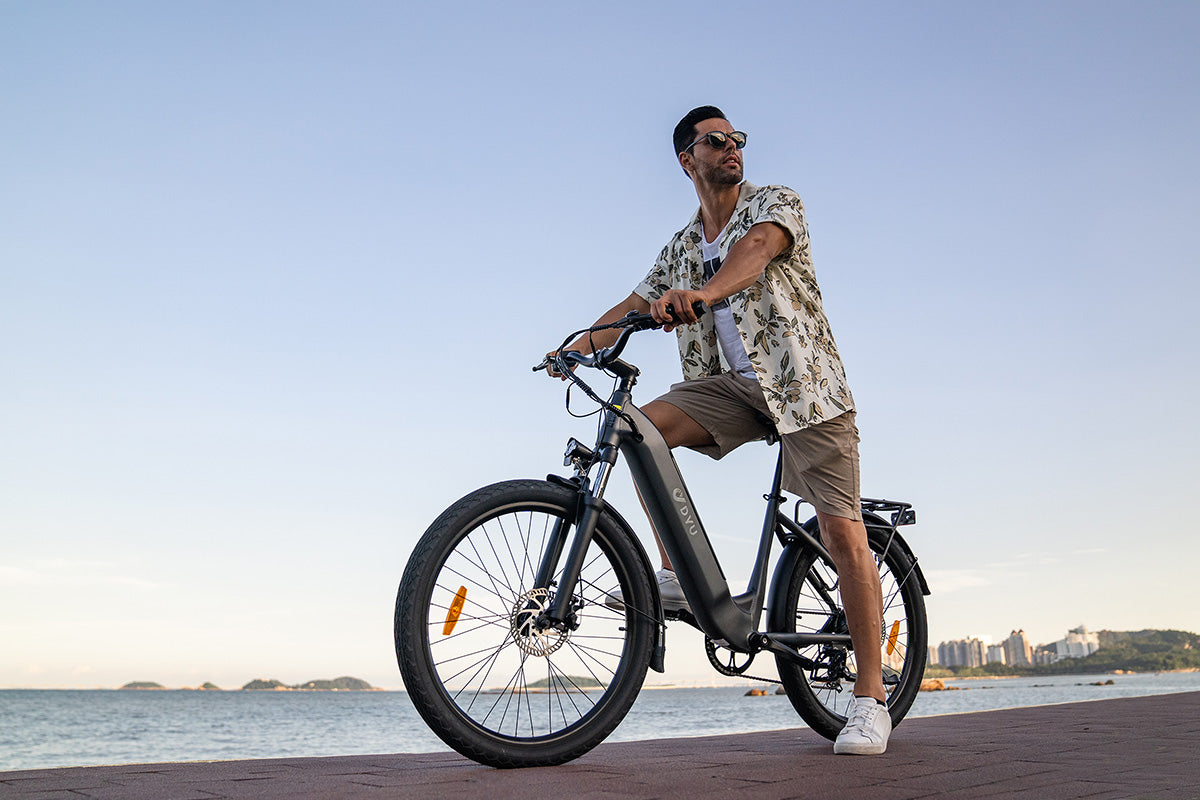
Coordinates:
<point>273,275</point>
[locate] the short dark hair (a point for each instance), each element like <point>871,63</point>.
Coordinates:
<point>685,131</point>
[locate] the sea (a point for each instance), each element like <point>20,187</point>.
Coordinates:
<point>61,728</point>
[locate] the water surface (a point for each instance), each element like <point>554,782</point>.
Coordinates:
<point>45,728</point>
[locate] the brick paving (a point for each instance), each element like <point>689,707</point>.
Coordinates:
<point>1141,747</point>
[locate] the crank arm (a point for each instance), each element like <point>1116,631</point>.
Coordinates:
<point>786,644</point>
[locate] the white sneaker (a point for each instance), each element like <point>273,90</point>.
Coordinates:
<point>668,589</point>
<point>866,732</point>
<point>671,592</point>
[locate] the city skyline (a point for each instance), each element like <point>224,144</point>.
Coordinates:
<point>1016,649</point>
<point>273,279</point>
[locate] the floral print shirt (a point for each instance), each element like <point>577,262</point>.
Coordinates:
<point>779,317</point>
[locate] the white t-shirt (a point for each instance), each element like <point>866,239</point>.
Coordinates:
<point>727,332</point>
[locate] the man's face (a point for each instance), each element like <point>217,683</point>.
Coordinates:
<point>719,165</point>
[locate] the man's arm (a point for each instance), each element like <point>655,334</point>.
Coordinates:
<point>743,265</point>
<point>601,339</point>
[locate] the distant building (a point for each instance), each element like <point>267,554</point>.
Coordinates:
<point>1080,642</point>
<point>1044,654</point>
<point>1017,652</point>
<point>961,653</point>
<point>1014,651</point>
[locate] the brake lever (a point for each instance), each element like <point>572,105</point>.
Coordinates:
<point>571,355</point>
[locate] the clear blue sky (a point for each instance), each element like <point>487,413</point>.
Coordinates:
<point>272,276</point>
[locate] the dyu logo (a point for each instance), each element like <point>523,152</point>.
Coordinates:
<point>685,512</point>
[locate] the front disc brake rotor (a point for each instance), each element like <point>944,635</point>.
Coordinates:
<point>529,637</point>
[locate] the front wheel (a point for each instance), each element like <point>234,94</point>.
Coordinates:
<point>488,679</point>
<point>822,689</point>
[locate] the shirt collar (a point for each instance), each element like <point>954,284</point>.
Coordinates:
<point>745,189</point>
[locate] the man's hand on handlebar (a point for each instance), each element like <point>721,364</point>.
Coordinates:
<point>603,341</point>
<point>682,302</point>
<point>550,363</point>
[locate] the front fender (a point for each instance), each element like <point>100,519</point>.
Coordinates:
<point>659,655</point>
<point>612,516</point>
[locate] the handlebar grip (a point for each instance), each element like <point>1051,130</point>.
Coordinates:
<point>698,308</point>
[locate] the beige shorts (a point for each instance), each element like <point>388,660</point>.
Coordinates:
<point>820,464</point>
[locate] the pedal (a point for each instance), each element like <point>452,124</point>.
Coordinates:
<point>682,615</point>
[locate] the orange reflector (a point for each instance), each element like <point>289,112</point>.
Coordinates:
<point>892,637</point>
<point>455,611</point>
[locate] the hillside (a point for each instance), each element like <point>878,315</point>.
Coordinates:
<point>1139,651</point>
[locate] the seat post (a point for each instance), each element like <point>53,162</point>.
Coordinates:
<point>754,599</point>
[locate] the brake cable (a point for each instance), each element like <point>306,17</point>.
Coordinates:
<point>561,362</point>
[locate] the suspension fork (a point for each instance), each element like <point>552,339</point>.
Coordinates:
<point>560,607</point>
<point>553,551</point>
<point>588,511</point>
<point>587,516</point>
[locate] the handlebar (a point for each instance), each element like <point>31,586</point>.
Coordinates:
<point>642,322</point>
<point>628,324</point>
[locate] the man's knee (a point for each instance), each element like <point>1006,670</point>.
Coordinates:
<point>843,536</point>
<point>676,427</point>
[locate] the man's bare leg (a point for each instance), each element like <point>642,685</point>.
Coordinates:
<point>858,579</point>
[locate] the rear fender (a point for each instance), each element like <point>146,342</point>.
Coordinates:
<point>877,528</point>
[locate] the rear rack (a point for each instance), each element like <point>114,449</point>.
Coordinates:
<point>903,513</point>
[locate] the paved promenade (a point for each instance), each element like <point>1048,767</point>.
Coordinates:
<point>1143,747</point>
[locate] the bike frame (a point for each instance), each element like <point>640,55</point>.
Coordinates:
<point>729,620</point>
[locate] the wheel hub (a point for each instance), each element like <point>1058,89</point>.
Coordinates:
<point>530,637</point>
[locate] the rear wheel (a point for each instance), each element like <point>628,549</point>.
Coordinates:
<point>488,677</point>
<point>822,691</point>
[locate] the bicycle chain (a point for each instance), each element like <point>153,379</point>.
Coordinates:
<point>710,649</point>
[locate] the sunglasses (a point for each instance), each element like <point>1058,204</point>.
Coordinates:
<point>717,140</point>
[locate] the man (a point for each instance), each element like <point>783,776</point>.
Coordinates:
<point>762,362</point>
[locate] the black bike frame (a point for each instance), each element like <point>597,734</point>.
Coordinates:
<point>732,621</point>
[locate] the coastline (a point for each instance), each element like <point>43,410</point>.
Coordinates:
<point>645,687</point>
<point>952,677</point>
<point>59,728</point>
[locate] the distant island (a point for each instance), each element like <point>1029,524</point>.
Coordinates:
<point>567,683</point>
<point>151,686</point>
<point>343,684</point>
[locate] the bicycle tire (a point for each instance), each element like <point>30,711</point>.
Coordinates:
<point>474,681</point>
<point>823,695</point>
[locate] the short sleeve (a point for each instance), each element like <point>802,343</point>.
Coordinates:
<point>782,206</point>
<point>657,280</point>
